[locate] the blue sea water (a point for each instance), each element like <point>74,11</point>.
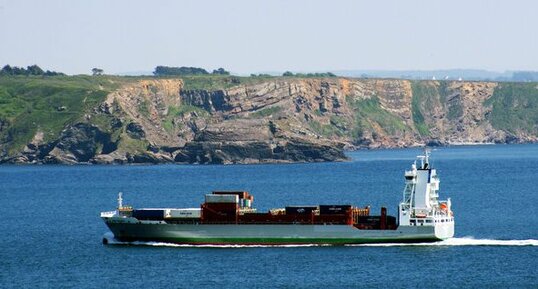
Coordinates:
<point>50,230</point>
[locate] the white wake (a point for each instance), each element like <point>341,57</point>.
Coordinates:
<point>465,241</point>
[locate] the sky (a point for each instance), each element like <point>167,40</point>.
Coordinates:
<point>246,36</point>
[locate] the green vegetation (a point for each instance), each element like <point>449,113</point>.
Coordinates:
<point>209,82</point>
<point>184,109</point>
<point>34,103</point>
<point>106,123</point>
<point>455,111</point>
<point>97,71</point>
<point>340,122</point>
<point>183,70</point>
<point>218,82</point>
<point>144,108</point>
<point>423,93</point>
<point>179,111</point>
<point>266,112</point>
<point>177,71</point>
<point>30,70</point>
<point>316,74</point>
<point>221,71</point>
<point>326,130</point>
<point>132,145</point>
<point>427,95</point>
<point>515,107</point>
<point>369,112</point>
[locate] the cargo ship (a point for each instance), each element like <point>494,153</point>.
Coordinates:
<point>229,217</point>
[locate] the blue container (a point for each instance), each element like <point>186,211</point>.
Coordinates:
<point>149,214</point>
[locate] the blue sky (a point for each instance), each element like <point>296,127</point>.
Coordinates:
<point>253,36</point>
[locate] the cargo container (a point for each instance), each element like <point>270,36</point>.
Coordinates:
<point>213,198</point>
<point>149,214</point>
<point>220,206</point>
<point>182,213</point>
<point>219,213</point>
<point>333,209</point>
<point>294,210</point>
<point>241,194</point>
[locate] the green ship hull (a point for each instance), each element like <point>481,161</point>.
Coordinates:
<point>289,234</point>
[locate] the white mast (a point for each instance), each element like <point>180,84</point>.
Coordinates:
<point>120,200</point>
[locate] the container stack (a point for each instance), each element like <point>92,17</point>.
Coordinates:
<point>245,199</point>
<point>221,207</point>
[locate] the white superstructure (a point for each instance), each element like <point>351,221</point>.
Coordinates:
<point>421,205</point>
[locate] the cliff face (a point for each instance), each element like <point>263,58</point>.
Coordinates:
<point>284,120</point>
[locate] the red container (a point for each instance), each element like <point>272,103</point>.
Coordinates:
<point>221,213</point>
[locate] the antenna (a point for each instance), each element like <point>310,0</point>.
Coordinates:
<point>427,155</point>
<point>120,200</point>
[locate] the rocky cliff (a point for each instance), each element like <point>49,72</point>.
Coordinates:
<point>249,120</point>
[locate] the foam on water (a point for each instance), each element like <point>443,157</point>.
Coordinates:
<point>465,241</point>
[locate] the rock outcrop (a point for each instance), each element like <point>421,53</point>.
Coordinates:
<point>278,120</point>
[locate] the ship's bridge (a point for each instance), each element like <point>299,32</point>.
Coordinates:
<point>420,205</point>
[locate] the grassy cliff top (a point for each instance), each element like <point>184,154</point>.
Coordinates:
<point>48,104</point>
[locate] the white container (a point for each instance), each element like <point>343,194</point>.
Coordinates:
<point>210,198</point>
<point>182,213</point>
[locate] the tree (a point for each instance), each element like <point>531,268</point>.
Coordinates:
<point>221,71</point>
<point>30,70</point>
<point>34,70</point>
<point>165,70</point>
<point>6,70</point>
<point>97,71</point>
<point>52,73</point>
<point>18,70</point>
<point>310,74</point>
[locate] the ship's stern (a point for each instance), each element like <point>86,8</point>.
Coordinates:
<point>444,230</point>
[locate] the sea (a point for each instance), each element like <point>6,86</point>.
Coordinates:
<point>51,234</point>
